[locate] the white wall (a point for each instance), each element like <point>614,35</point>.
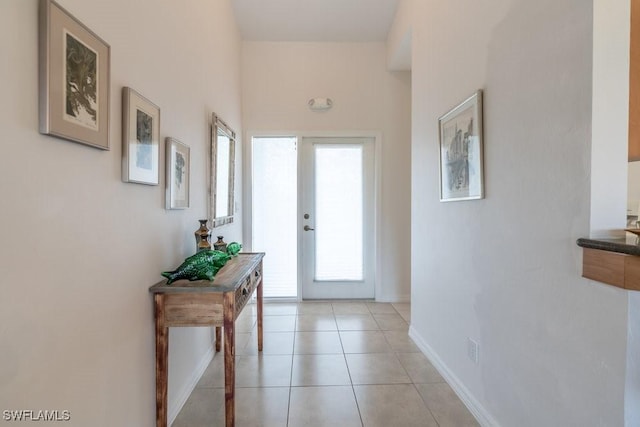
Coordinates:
<point>610,117</point>
<point>79,247</point>
<point>505,271</point>
<point>279,78</point>
<point>611,57</point>
<point>399,38</point>
<point>632,390</point>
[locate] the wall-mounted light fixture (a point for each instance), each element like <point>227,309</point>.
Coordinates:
<point>320,104</point>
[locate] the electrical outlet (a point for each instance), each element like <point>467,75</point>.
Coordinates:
<point>473,350</point>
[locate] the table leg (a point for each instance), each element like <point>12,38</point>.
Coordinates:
<point>260,315</point>
<point>218,338</point>
<point>229,359</point>
<point>162,353</point>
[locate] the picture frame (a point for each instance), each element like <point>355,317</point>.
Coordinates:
<point>462,151</point>
<point>140,139</point>
<point>74,78</point>
<point>178,162</point>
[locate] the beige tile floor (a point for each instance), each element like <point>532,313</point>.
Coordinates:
<point>327,364</point>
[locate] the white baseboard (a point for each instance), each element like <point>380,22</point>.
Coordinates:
<point>403,298</point>
<point>176,405</point>
<point>477,410</point>
<point>394,298</point>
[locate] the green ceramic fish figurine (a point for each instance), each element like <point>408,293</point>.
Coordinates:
<point>202,266</point>
<point>233,248</point>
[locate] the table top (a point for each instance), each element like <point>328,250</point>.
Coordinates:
<point>229,278</point>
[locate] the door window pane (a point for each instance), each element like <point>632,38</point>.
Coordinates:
<point>274,217</point>
<point>338,212</point>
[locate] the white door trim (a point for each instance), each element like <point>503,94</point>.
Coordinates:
<point>247,190</point>
<point>312,287</point>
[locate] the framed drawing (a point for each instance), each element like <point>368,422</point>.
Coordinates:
<point>461,151</point>
<point>140,138</point>
<point>178,166</point>
<point>74,78</point>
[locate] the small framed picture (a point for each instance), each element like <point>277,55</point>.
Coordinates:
<point>461,151</point>
<point>178,166</point>
<point>74,73</point>
<point>140,138</point>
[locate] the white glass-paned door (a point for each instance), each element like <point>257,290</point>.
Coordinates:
<point>274,212</point>
<point>338,229</point>
<point>338,212</point>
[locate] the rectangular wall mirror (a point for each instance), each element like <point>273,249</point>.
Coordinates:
<point>222,167</point>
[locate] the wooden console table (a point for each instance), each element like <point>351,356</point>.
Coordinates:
<point>204,303</point>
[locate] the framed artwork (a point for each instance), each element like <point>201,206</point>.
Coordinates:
<point>461,151</point>
<point>74,73</point>
<point>178,166</point>
<point>140,138</point>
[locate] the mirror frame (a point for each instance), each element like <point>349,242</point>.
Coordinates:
<point>219,126</point>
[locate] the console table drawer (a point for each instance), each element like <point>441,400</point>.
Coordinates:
<point>193,309</point>
<point>244,292</point>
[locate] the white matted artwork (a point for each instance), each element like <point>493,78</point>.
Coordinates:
<point>461,151</point>
<point>177,178</point>
<point>74,72</point>
<point>140,138</point>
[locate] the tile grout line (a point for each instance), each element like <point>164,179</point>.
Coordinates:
<point>407,372</point>
<point>353,390</point>
<point>425,403</point>
<point>291,370</point>
<point>293,352</point>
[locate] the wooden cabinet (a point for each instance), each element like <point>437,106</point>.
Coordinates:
<point>612,268</point>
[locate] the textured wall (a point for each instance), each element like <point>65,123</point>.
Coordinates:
<point>505,271</point>
<point>79,247</point>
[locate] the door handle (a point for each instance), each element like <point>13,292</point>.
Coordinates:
<point>307,228</point>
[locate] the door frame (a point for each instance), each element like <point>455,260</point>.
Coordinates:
<point>313,288</point>
<point>247,179</point>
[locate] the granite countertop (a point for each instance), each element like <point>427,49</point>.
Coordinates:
<point>624,245</point>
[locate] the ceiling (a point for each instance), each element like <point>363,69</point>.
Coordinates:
<point>315,20</point>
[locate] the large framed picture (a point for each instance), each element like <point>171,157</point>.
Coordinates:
<point>178,166</point>
<point>140,138</point>
<point>461,151</point>
<point>74,78</point>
